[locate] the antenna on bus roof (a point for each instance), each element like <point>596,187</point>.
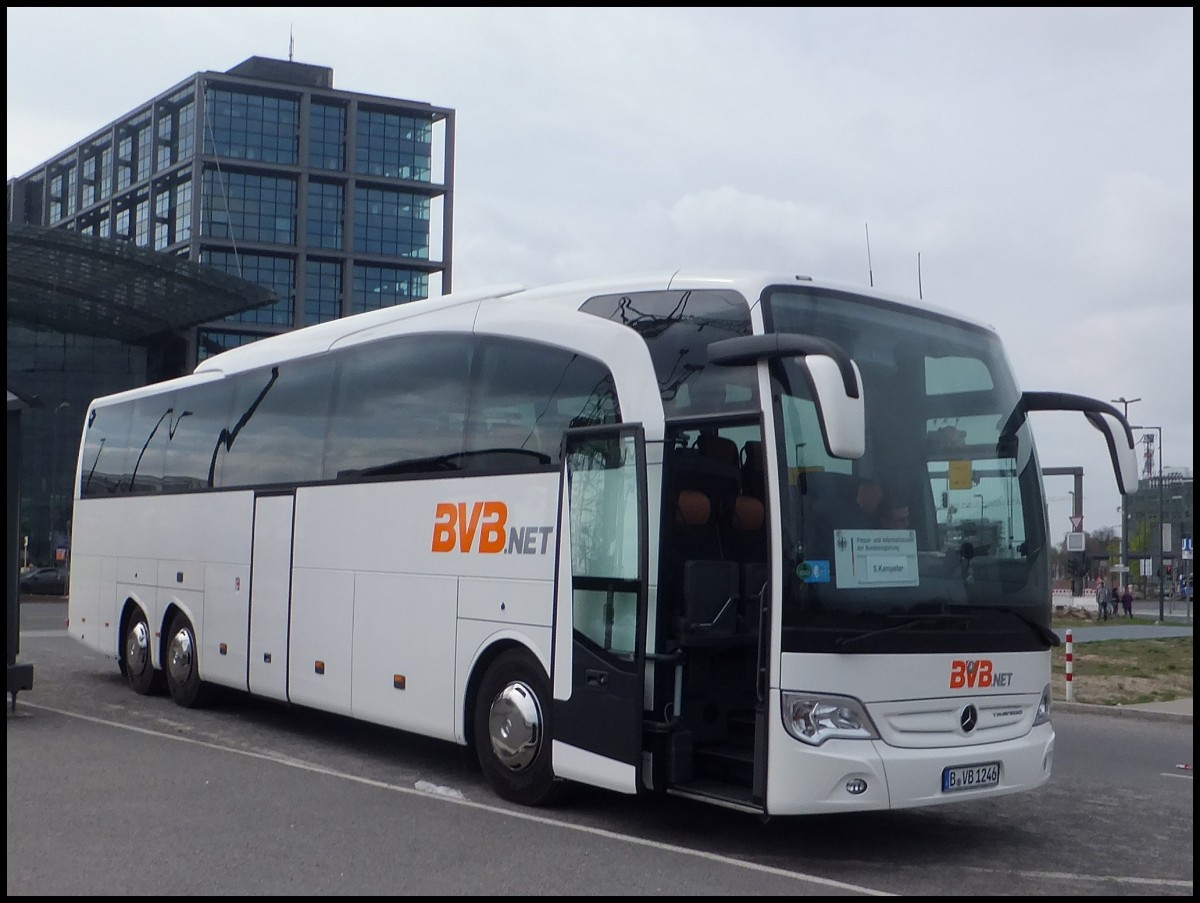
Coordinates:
<point>291,46</point>
<point>920,293</point>
<point>870,272</point>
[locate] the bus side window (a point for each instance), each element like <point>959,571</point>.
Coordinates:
<point>525,395</point>
<point>106,444</point>
<point>195,438</point>
<point>278,423</point>
<point>400,408</point>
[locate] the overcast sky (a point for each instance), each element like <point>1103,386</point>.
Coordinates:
<point>1031,168</point>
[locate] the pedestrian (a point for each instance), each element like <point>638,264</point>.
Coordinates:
<point>1102,601</point>
<point>1127,601</point>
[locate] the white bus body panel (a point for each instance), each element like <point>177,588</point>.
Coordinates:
<point>575,764</point>
<point>920,733</point>
<point>93,584</point>
<point>226,614</point>
<point>270,596</point>
<point>400,676</point>
<point>389,527</point>
<point>320,642</point>
<point>137,579</point>
<point>525,602</point>
<point>159,538</point>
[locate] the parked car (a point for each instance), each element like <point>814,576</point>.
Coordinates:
<point>48,581</point>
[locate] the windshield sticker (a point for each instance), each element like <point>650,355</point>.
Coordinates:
<point>813,571</point>
<point>867,559</point>
<point>960,474</point>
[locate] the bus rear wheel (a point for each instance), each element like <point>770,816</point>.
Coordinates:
<point>512,730</point>
<point>136,661</point>
<point>182,665</point>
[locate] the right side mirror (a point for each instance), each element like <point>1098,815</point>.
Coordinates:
<point>1118,435</point>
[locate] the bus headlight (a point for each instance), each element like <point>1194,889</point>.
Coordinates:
<point>817,717</point>
<point>1043,709</point>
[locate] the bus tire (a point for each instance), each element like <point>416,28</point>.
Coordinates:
<point>136,662</point>
<point>182,665</point>
<point>512,729</point>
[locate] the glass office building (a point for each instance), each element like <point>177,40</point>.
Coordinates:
<point>336,202</point>
<point>339,202</point>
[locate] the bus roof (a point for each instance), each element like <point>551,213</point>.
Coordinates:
<point>461,311</point>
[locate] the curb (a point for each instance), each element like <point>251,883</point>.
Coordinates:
<point>1082,708</point>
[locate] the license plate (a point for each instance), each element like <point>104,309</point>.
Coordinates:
<point>969,777</point>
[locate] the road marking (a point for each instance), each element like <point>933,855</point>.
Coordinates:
<point>1077,877</point>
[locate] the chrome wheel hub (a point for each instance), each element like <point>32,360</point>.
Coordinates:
<point>137,648</point>
<point>181,656</point>
<point>515,726</point>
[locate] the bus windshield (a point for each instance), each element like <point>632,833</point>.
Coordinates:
<point>936,538</point>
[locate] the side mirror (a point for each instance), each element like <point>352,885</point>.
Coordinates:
<point>1118,435</point>
<point>843,419</point>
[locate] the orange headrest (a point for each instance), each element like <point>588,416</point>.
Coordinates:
<point>693,508</point>
<point>748,513</point>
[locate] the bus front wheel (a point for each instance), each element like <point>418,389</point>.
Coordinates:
<point>182,665</point>
<point>512,729</point>
<point>136,663</point>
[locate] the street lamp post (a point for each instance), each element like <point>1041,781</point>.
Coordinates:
<point>1124,518</point>
<point>1178,564</point>
<point>1162,593</point>
<point>1126,402</point>
<point>1124,574</point>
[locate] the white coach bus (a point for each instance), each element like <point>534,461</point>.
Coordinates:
<point>773,544</point>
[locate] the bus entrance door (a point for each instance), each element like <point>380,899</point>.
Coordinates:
<point>600,618</point>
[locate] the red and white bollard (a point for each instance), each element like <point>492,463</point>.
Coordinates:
<point>1069,667</point>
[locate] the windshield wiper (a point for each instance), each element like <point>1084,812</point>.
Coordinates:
<point>843,642</point>
<point>1043,633</point>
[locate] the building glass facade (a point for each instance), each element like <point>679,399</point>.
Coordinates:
<point>1169,502</point>
<point>268,173</point>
